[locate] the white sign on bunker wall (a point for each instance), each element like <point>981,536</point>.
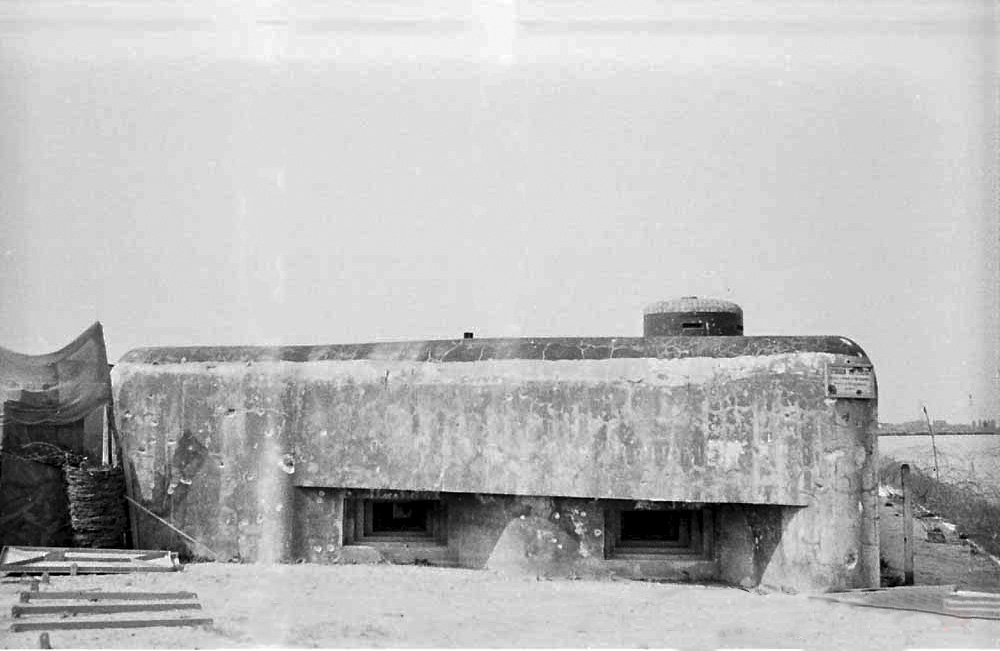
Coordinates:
<point>850,381</point>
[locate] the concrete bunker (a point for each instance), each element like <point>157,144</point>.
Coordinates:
<point>714,457</point>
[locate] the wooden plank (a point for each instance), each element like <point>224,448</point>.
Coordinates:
<point>91,562</point>
<point>26,561</point>
<point>68,624</point>
<point>8,549</point>
<point>904,474</point>
<point>151,556</point>
<point>86,569</point>
<point>120,596</point>
<point>97,553</point>
<point>131,555</point>
<point>73,558</point>
<point>100,609</point>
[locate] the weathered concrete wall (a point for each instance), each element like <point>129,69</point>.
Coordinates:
<point>714,420</point>
<point>750,544</point>
<point>318,534</point>
<point>219,474</point>
<point>561,537</point>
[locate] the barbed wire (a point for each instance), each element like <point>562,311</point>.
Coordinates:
<point>96,494</point>
<point>96,505</point>
<point>48,454</point>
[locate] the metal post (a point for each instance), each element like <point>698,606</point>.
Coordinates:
<point>904,473</point>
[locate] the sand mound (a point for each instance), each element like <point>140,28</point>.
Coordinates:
<point>534,546</point>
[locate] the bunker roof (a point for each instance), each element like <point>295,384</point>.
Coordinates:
<point>472,350</point>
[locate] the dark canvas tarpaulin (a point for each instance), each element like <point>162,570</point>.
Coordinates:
<point>58,388</point>
<point>45,401</point>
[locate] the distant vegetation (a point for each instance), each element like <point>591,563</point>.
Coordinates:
<point>942,427</point>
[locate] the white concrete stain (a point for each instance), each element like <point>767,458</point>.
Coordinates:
<point>670,372</point>
<point>724,455</point>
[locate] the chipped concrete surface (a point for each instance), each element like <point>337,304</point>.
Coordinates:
<point>498,426</point>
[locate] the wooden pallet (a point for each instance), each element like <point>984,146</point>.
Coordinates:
<point>73,603</point>
<point>69,560</point>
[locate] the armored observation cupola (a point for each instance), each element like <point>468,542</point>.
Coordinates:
<point>692,316</point>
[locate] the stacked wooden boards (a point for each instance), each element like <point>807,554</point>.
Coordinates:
<point>68,560</point>
<point>76,610</point>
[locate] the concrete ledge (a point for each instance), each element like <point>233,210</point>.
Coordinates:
<point>400,553</point>
<point>672,569</point>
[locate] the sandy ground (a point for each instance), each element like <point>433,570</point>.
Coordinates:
<point>380,605</point>
<point>403,606</point>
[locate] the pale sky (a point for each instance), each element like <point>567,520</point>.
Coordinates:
<point>308,173</point>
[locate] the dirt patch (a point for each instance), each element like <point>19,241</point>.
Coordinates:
<point>409,606</point>
<point>941,556</point>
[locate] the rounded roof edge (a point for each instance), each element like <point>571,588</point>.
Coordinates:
<point>692,304</point>
<point>474,350</point>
